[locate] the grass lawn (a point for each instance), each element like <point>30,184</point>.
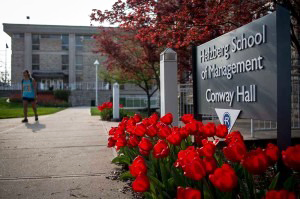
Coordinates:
<point>95,111</point>
<point>15,110</point>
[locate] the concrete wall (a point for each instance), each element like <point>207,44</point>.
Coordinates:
<point>50,45</point>
<point>17,63</point>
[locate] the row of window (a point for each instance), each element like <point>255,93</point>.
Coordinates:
<point>64,40</point>
<point>64,62</point>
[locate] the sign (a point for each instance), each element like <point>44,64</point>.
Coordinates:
<point>227,117</point>
<point>240,69</point>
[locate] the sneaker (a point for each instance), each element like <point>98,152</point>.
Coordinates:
<point>25,121</point>
<point>36,118</point>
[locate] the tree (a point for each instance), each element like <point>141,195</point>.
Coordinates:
<point>129,60</point>
<point>180,24</point>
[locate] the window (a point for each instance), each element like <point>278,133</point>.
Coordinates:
<point>79,62</point>
<point>65,42</point>
<point>65,62</point>
<point>80,39</point>
<point>79,42</point>
<point>35,42</point>
<point>35,62</point>
<point>49,36</point>
<point>18,35</point>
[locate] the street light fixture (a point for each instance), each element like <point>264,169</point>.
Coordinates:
<point>96,63</point>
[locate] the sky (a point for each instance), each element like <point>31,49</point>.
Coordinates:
<point>51,12</point>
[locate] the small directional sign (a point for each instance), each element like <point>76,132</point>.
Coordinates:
<point>228,116</point>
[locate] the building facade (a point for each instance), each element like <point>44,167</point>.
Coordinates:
<point>57,56</point>
<point>61,57</point>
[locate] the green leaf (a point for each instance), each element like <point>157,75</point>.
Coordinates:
<point>123,159</point>
<point>290,183</point>
<point>156,182</point>
<point>126,175</point>
<point>164,173</point>
<point>274,182</point>
<point>183,145</point>
<point>148,195</point>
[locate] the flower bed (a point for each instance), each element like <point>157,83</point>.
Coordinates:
<point>165,163</point>
<point>43,99</point>
<point>106,111</point>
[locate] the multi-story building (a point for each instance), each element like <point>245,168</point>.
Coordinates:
<point>61,57</point>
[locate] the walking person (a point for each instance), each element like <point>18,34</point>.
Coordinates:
<point>29,94</point>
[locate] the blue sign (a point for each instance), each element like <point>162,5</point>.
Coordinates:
<point>227,119</point>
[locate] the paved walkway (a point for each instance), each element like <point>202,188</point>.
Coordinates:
<point>64,155</point>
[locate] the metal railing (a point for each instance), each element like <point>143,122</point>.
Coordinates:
<point>186,104</point>
<point>138,102</point>
<point>63,86</point>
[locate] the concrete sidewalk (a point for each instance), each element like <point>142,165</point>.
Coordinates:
<point>64,155</point>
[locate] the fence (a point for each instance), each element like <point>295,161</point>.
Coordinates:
<point>185,100</point>
<point>64,86</point>
<point>138,102</point>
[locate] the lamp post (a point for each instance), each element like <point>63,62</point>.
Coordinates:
<point>96,63</point>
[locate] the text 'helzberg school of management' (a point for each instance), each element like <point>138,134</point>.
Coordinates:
<point>243,93</point>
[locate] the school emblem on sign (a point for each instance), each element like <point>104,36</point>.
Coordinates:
<point>227,117</point>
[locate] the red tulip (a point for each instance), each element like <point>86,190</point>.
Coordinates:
<point>195,169</point>
<point>281,194</point>
<point>221,131</point>
<point>111,142</point>
<point>164,131</point>
<point>112,131</point>
<point>224,178</point>
<point>235,151</point>
<point>208,149</point>
<point>192,127</point>
<point>210,164</point>
<point>146,122</point>
<point>187,118</point>
<point>152,130</point>
<point>153,119</point>
<point>121,142</point>
<point>184,133</point>
<point>143,152</point>
<point>140,130</point>
<point>234,136</point>
<point>161,149</point>
<point>167,119</point>
<point>186,156</point>
<point>133,141</point>
<point>131,121</point>
<point>130,128</point>
<point>145,144</point>
<point>137,118</point>
<point>141,184</point>
<point>272,151</point>
<point>291,156</point>
<point>209,130</point>
<point>174,138</point>
<point>256,161</point>
<point>188,193</point>
<point>138,166</point>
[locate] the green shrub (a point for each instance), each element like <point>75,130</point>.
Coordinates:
<point>107,114</point>
<point>62,95</point>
